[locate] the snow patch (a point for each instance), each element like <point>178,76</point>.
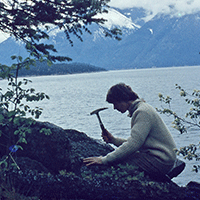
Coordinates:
<point>116,19</point>
<point>151,30</point>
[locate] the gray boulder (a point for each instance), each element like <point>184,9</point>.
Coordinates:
<point>50,167</point>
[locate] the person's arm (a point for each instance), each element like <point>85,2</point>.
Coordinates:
<point>139,132</point>
<point>109,138</point>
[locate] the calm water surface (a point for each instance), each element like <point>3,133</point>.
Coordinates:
<point>73,97</point>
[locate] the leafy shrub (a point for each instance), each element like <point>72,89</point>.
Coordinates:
<point>184,124</point>
<point>14,123</point>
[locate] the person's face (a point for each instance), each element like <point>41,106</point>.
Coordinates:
<point>121,106</point>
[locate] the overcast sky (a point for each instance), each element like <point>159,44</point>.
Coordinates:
<point>179,7</point>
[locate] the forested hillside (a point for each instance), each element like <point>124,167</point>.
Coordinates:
<point>59,69</point>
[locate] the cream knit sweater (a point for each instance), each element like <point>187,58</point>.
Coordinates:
<point>149,135</point>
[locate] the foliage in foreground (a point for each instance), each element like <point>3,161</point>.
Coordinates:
<point>30,21</point>
<point>14,109</point>
<point>13,102</point>
<point>185,123</point>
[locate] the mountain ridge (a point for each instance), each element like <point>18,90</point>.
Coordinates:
<point>163,41</point>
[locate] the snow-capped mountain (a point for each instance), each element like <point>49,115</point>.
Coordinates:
<point>116,19</point>
<point>165,41</point>
<point>161,42</point>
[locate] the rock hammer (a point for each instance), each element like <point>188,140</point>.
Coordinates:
<point>97,113</point>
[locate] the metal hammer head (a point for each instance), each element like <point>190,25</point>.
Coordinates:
<point>97,111</point>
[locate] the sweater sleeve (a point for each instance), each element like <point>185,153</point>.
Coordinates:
<point>141,125</point>
<point>118,141</point>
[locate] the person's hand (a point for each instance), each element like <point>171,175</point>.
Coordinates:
<point>107,136</point>
<point>92,161</point>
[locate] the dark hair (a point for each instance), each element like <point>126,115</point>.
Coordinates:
<point>121,92</point>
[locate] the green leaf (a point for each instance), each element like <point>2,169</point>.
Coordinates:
<point>20,147</point>
<point>49,63</point>
<point>46,131</point>
<point>13,57</point>
<point>20,83</point>
<point>3,164</point>
<point>20,58</point>
<point>1,118</point>
<point>16,121</point>
<point>16,132</point>
<point>22,140</point>
<point>29,121</point>
<point>11,114</point>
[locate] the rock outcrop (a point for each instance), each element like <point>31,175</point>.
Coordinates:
<point>50,167</point>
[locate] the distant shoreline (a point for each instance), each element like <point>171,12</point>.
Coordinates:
<point>42,69</point>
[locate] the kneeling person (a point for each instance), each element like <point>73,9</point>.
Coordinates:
<point>150,145</point>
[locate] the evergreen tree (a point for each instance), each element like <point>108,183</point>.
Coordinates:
<point>30,20</point>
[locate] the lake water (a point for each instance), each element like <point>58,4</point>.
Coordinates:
<point>73,97</point>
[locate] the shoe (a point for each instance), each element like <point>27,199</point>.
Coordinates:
<point>178,167</point>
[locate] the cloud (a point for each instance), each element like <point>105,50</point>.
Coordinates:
<point>3,36</point>
<point>153,7</point>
